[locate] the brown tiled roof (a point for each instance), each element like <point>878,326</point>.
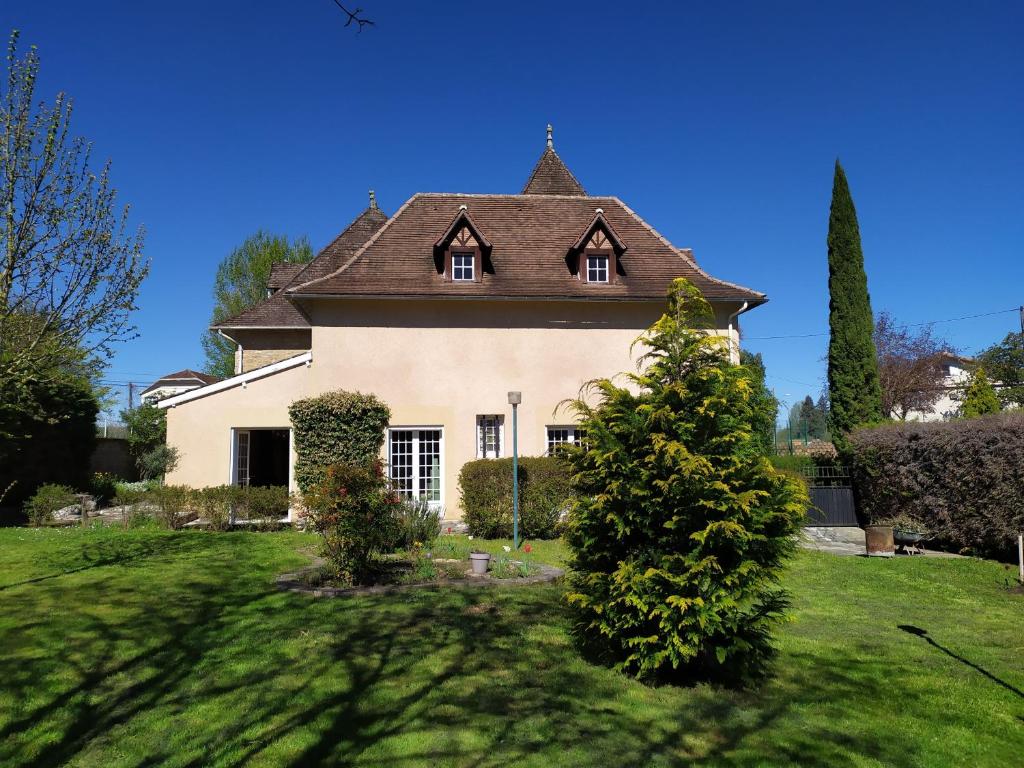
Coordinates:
<point>278,311</point>
<point>182,378</point>
<point>281,273</point>
<point>551,177</point>
<point>531,236</point>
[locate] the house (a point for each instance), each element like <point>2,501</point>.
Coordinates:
<point>440,310</point>
<point>956,375</point>
<point>175,384</point>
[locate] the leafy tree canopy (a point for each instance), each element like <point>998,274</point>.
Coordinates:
<point>70,270</point>
<point>910,366</point>
<point>1005,363</point>
<point>241,283</point>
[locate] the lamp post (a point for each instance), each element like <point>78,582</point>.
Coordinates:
<point>514,399</point>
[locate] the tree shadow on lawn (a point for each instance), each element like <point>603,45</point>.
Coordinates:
<point>219,668</point>
<point>923,633</point>
<point>112,550</point>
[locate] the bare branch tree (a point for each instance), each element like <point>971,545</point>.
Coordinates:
<point>354,17</point>
<point>69,269</point>
<point>910,367</point>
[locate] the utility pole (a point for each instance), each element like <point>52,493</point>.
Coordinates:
<point>131,393</point>
<point>1022,318</point>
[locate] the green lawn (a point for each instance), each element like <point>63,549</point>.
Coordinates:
<point>147,648</point>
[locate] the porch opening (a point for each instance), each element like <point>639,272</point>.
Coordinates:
<point>261,457</point>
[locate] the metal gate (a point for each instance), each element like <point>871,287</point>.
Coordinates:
<point>831,497</point>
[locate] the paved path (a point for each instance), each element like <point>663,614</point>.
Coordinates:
<point>846,542</point>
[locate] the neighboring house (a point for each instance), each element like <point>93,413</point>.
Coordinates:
<point>175,384</point>
<point>956,371</point>
<point>441,310</point>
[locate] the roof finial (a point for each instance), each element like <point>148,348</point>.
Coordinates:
<point>551,142</point>
<point>373,201</point>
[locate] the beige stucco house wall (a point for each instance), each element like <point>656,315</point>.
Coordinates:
<point>438,364</point>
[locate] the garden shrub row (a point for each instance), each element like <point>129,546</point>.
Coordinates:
<point>963,479</point>
<point>544,494</point>
<point>221,506</point>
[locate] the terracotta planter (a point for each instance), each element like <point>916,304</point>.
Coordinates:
<point>878,540</point>
<point>479,560</point>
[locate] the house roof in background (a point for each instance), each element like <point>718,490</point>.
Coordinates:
<point>185,378</point>
<point>278,311</point>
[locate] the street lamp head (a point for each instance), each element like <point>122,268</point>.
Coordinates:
<point>515,398</point>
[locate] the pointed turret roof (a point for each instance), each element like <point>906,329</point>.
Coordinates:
<point>551,176</point>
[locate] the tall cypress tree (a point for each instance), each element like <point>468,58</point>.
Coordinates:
<point>855,394</point>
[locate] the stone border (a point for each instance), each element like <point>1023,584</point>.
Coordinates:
<point>292,582</point>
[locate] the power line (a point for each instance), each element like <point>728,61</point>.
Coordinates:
<point>909,325</point>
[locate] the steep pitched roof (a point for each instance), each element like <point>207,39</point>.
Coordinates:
<point>278,311</point>
<point>281,273</point>
<point>551,177</point>
<point>184,378</point>
<point>530,237</point>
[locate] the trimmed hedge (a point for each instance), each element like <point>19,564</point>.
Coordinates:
<point>336,428</point>
<point>963,479</point>
<point>485,487</point>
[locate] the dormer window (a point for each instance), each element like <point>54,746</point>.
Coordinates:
<point>597,268</point>
<point>595,256</point>
<point>462,254</point>
<point>463,266</point>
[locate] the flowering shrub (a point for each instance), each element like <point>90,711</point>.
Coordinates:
<point>355,511</point>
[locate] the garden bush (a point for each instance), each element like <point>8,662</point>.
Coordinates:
<point>680,528</point>
<point>355,511</point>
<point>485,487</point>
<point>170,504</point>
<point>417,522</point>
<point>336,428</point>
<point>963,479</point>
<point>46,500</point>
<point>103,488</point>
<point>214,505</point>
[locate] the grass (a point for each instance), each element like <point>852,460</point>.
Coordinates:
<point>145,647</point>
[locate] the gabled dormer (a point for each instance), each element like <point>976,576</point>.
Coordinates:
<point>596,256</point>
<point>462,254</point>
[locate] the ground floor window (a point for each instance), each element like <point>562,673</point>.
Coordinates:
<point>414,462</point>
<point>490,433</point>
<point>558,436</point>
<point>261,457</point>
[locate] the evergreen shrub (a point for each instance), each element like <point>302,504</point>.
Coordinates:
<point>680,528</point>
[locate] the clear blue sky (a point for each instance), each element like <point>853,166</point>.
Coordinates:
<point>718,123</point>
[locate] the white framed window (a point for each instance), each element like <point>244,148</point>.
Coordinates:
<point>490,436</point>
<point>463,267</point>
<point>597,268</point>
<point>415,457</point>
<point>567,435</point>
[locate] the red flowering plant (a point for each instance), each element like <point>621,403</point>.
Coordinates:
<point>355,511</point>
